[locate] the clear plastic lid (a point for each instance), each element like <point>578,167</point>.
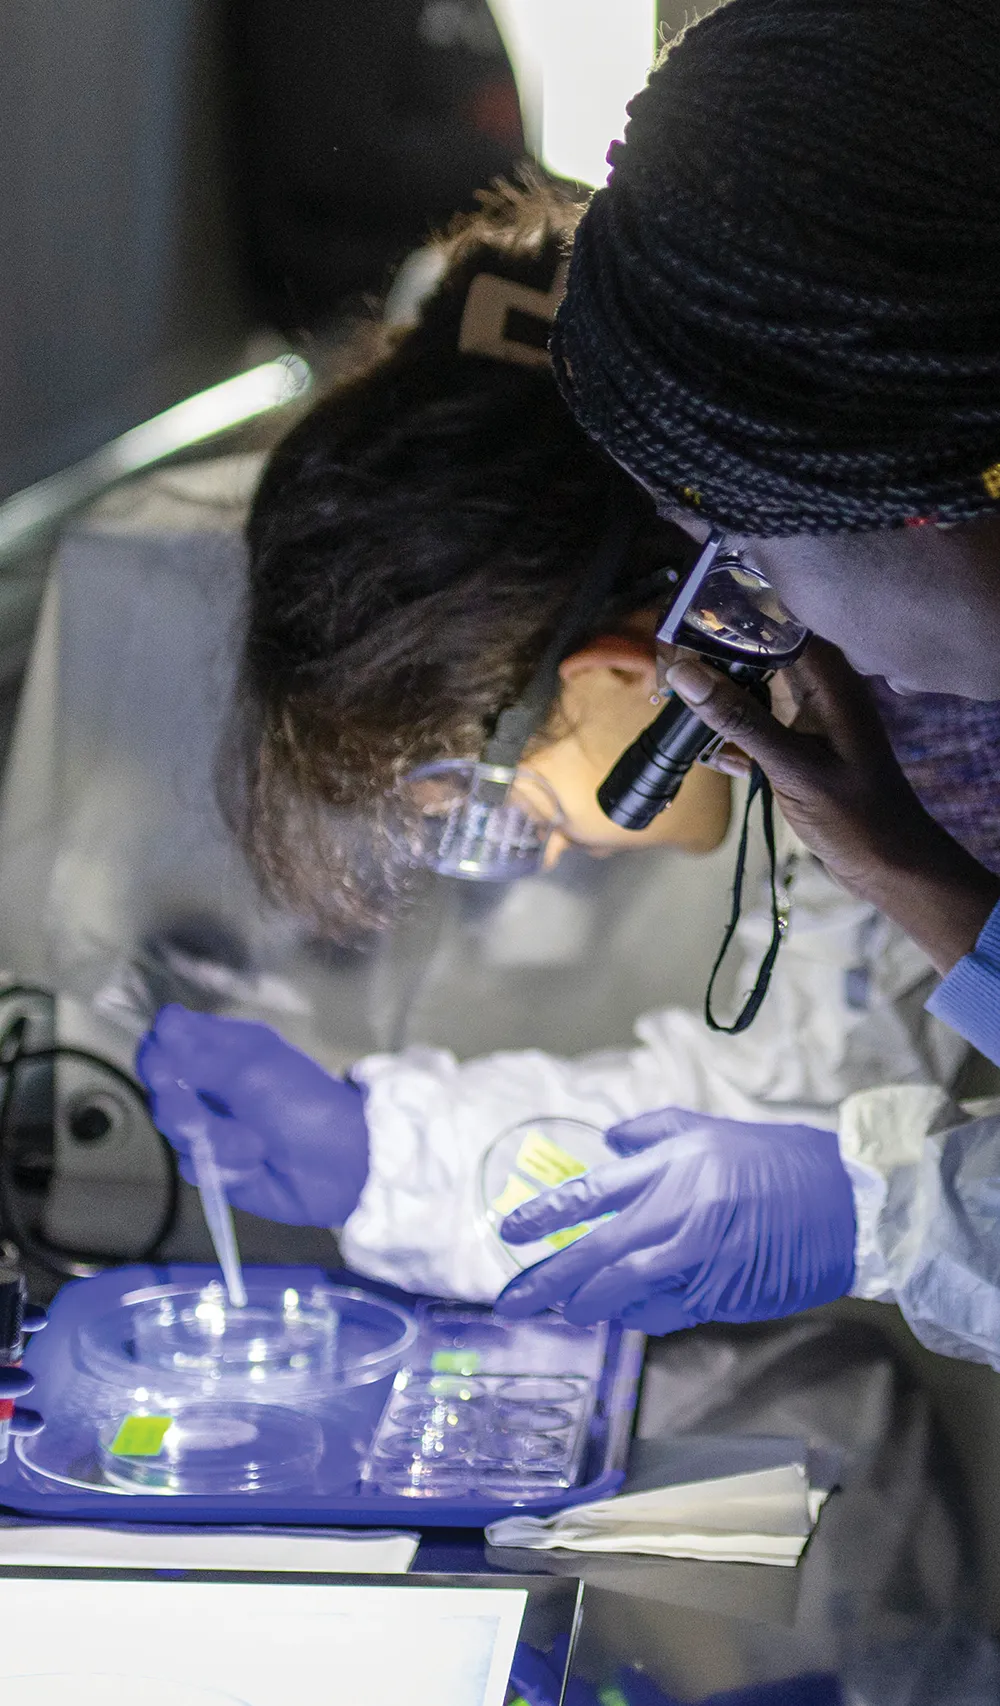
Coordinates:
<point>210,1448</point>
<point>532,1157</point>
<point>204,1448</point>
<point>178,1338</point>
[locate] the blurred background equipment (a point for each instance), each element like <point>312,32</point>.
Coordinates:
<point>362,126</point>
<point>577,63</point>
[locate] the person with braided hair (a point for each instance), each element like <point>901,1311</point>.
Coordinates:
<point>413,544</point>
<point>782,318</point>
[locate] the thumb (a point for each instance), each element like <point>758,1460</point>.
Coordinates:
<point>630,1137</point>
<point>736,715</point>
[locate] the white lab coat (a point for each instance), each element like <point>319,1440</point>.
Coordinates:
<point>844,1015</point>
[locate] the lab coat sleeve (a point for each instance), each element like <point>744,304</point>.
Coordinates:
<point>926,1182</point>
<point>838,1018</point>
<point>968,999</point>
<point>419,1221</point>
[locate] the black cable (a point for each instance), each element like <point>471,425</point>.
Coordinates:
<point>760,788</point>
<point>52,1257</point>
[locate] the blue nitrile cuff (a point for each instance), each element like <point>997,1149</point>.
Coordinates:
<point>968,999</point>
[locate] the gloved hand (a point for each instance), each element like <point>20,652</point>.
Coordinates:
<point>290,1140</point>
<point>713,1220</point>
<point>16,1383</point>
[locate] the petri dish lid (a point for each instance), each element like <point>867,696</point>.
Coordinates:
<point>210,1448</point>
<point>191,1339</point>
<point>531,1157</point>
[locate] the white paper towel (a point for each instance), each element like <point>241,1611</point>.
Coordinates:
<point>764,1516</point>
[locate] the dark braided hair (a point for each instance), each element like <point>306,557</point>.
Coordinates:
<point>785,307</point>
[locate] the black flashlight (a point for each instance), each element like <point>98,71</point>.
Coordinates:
<point>726,611</point>
<point>648,775</point>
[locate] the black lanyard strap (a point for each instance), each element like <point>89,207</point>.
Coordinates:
<point>760,788</point>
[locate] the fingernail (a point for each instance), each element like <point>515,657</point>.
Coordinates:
<point>692,681</point>
<point>730,765</point>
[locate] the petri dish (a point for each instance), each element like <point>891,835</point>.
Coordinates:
<point>535,1418</point>
<point>532,1157</point>
<point>524,1452</point>
<point>421,1479</point>
<point>179,1338</point>
<point>429,1446</point>
<point>66,1452</point>
<point>518,1487</point>
<point>210,1448</point>
<point>538,1389</point>
<point>203,1333</point>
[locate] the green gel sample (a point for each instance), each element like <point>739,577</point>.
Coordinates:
<point>455,1362</point>
<point>141,1436</point>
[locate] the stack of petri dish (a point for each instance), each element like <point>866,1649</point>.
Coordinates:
<point>180,1392</point>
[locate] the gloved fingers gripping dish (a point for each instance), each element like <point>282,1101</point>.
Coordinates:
<point>732,1222</point>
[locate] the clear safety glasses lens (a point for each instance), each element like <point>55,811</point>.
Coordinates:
<point>483,822</point>
<point>728,609</point>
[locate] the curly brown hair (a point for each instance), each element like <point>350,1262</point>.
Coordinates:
<point>412,543</point>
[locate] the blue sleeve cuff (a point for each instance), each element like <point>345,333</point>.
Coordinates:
<point>968,999</point>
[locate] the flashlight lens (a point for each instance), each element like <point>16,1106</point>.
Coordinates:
<point>735,609</point>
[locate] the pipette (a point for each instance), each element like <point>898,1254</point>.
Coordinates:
<point>218,1218</point>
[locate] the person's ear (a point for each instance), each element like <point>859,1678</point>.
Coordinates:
<point>632,659</point>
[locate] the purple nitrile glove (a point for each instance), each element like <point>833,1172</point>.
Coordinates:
<point>16,1382</point>
<point>713,1220</point>
<point>290,1140</point>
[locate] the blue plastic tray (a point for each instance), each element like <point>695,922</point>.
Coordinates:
<point>342,1491</point>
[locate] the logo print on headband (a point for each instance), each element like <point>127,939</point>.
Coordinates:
<point>508,321</point>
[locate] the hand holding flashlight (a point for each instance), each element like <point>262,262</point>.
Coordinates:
<point>839,785</point>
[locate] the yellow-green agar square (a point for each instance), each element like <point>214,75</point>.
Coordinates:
<point>141,1436</point>
<point>548,1162</point>
<point>567,1235</point>
<point>455,1362</point>
<point>515,1192</point>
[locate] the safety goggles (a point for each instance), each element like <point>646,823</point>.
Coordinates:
<point>727,610</point>
<point>490,819</point>
<point>466,817</point>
